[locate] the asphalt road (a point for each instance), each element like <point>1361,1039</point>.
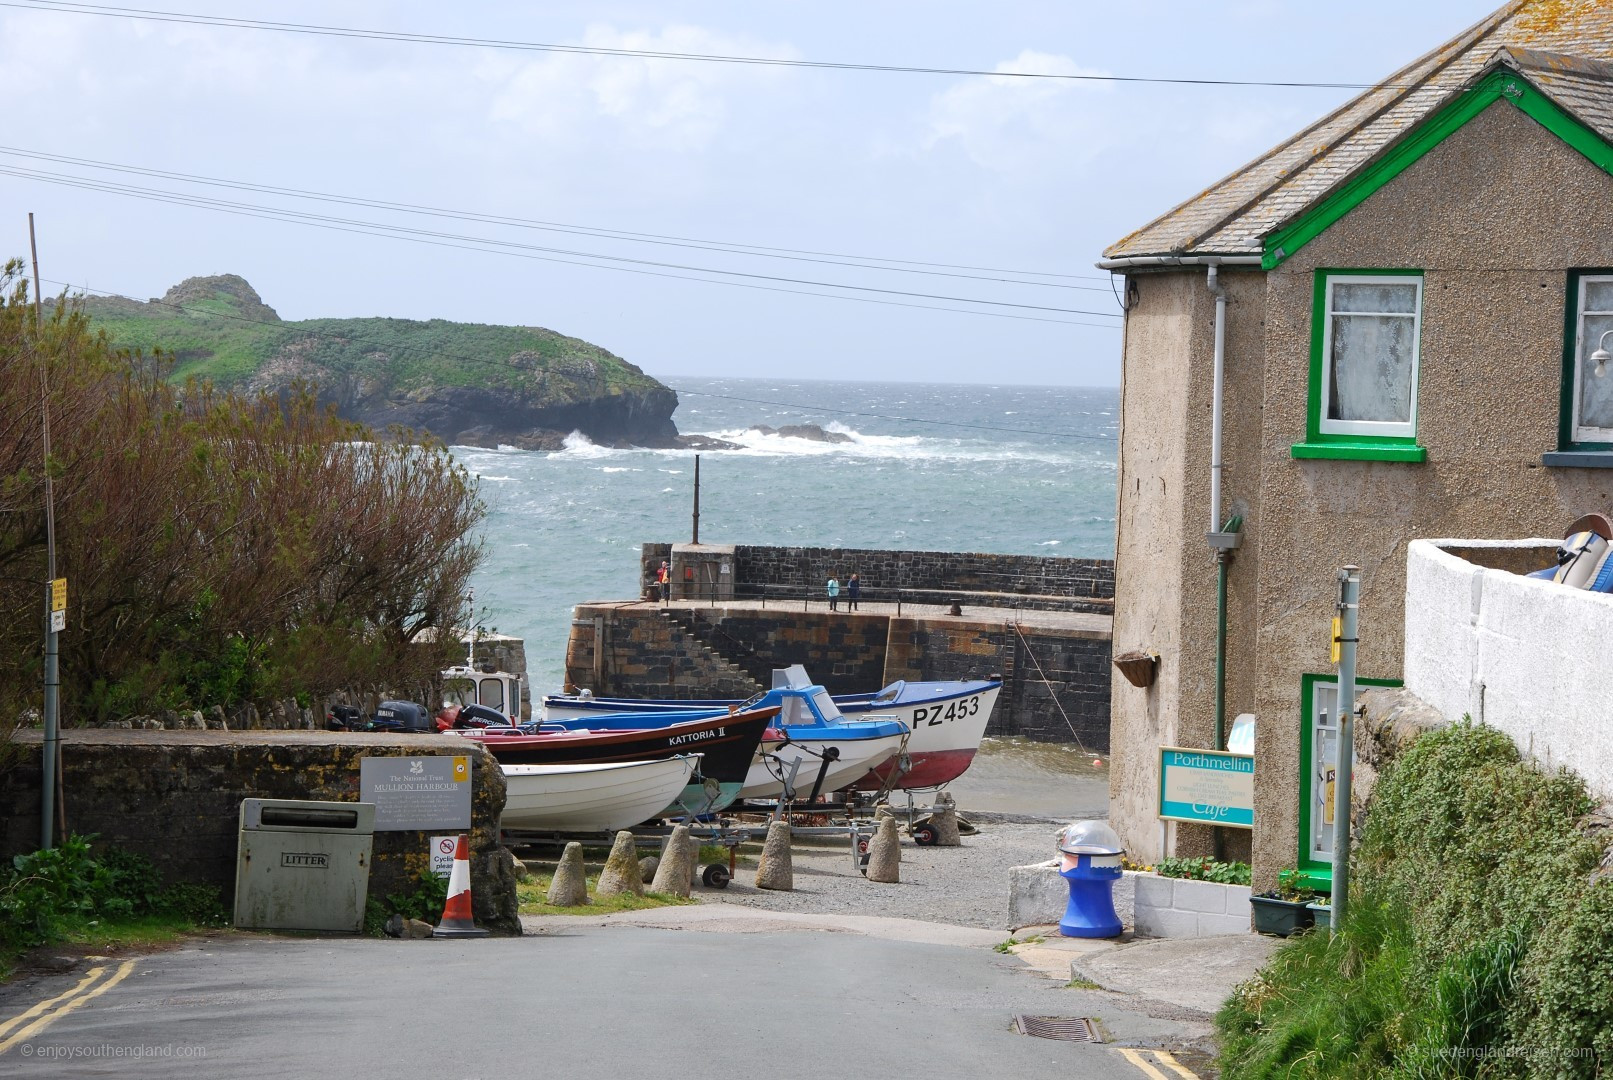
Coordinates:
<point>570,1001</point>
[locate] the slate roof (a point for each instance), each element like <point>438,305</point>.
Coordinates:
<point>1564,47</point>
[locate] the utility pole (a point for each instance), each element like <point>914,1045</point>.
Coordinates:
<point>696,538</point>
<point>1344,767</point>
<point>51,755</point>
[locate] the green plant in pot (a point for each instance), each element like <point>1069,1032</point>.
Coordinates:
<point>1284,910</point>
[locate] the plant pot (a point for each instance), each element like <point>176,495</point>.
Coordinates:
<point>1139,667</point>
<point>1323,914</point>
<point>1280,917</point>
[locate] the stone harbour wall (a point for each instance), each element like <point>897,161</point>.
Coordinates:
<point>175,797</point>
<point>1056,680</point>
<point>1032,582</point>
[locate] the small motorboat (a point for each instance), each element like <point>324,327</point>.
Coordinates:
<point>728,742</point>
<point>947,720</point>
<point>596,797</point>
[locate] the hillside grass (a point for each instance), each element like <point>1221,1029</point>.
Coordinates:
<point>227,340</point>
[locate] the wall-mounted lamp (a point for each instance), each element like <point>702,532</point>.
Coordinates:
<point>1601,356</point>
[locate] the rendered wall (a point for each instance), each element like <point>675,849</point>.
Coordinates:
<point>1505,650</point>
<point>1495,216</point>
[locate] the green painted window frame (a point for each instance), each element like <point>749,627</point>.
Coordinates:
<point>1571,451</point>
<point>1502,85</point>
<point>1317,871</point>
<point>1352,447</point>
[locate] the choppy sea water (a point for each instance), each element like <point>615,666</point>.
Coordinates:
<point>1004,469</point>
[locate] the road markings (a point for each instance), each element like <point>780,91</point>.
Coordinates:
<point>1162,1057</point>
<point>73,998</point>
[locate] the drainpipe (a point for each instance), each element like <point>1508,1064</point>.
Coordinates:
<point>1212,278</point>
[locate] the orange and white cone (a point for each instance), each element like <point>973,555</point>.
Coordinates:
<point>456,914</point>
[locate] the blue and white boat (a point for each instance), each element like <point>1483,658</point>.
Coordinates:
<point>811,726</point>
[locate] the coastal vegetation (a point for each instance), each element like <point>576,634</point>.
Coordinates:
<point>219,547</point>
<point>1478,941</point>
<point>85,893</point>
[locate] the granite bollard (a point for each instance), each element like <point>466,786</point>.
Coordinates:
<point>775,870</point>
<point>622,873</point>
<point>570,885</point>
<point>885,853</point>
<point>676,871</point>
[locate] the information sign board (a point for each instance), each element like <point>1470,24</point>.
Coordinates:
<point>413,793</point>
<point>1208,787</point>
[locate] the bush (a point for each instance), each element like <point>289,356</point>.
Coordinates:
<point>1474,944</point>
<point>1224,873</point>
<point>47,896</point>
<point>425,903</point>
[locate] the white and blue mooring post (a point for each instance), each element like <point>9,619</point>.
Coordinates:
<point>1349,623</point>
<point>1089,859</point>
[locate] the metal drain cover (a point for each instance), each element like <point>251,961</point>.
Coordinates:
<point>1067,1028</point>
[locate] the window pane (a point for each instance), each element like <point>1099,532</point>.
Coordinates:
<point>1401,299</point>
<point>1372,361</point>
<point>1595,395</point>
<point>1599,296</point>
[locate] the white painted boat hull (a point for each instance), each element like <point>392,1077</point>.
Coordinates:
<point>945,736</point>
<point>857,757</point>
<point>592,798</point>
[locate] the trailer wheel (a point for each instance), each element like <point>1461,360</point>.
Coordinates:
<point>925,835</point>
<point>862,846</point>
<point>715,876</point>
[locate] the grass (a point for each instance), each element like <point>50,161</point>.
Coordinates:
<point>534,892</point>
<point>1008,946</point>
<point>1078,983</point>
<point>138,932</point>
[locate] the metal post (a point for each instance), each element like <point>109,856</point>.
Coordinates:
<point>1349,611</point>
<point>50,759</point>
<point>696,538</point>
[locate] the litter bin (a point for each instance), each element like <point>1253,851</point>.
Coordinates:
<point>1089,859</point>
<point>303,865</point>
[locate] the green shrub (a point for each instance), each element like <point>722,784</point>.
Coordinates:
<point>425,902</point>
<point>1474,945</point>
<point>1224,873</point>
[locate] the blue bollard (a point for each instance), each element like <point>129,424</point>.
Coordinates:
<point>1090,861</point>
<point>1091,912</point>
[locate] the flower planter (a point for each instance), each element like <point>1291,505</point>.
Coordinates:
<point>1323,914</point>
<point>1280,917</point>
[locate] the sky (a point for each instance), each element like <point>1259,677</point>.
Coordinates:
<point>951,182</point>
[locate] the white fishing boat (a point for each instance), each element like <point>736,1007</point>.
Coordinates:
<point>592,798</point>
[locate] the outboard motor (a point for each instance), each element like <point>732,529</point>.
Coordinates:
<point>344,718</point>
<point>402,716</point>
<point>480,716</point>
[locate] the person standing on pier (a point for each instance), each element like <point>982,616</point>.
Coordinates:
<point>833,589</point>
<point>663,578</point>
<point>854,590</point>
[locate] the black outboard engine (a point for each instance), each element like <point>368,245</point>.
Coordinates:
<point>480,716</point>
<point>344,718</point>
<point>402,716</point>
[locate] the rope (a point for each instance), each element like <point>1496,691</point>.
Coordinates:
<point>1049,683</point>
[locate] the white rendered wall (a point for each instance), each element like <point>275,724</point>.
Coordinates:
<point>1525,656</point>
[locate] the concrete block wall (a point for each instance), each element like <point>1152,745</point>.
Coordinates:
<point>1151,905</point>
<point>1519,654</point>
<point>845,652</point>
<point>645,654</point>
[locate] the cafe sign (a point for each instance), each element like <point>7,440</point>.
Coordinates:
<point>1207,787</point>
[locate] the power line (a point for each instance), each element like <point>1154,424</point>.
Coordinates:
<point>548,254</point>
<point>190,18</point>
<point>506,365</point>
<point>759,251</point>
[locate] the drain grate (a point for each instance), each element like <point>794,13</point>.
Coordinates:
<point>1067,1028</point>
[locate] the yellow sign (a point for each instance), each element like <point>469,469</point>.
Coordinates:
<point>461,769</point>
<point>1338,633</point>
<point>58,594</point>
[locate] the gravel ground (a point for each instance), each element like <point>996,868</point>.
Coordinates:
<point>965,886</point>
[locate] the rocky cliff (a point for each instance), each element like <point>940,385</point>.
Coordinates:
<point>463,383</point>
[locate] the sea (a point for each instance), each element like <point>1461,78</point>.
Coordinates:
<point>1024,470</point>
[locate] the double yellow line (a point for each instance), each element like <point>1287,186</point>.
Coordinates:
<point>1161,1057</point>
<point>46,1013</point>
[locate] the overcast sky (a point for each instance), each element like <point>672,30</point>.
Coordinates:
<point>1033,176</point>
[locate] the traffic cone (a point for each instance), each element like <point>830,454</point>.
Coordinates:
<point>456,915</point>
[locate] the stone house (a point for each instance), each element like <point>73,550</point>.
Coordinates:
<point>1380,330</point>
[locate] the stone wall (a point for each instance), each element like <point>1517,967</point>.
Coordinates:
<point>175,796</point>
<point>1026,581</point>
<point>1056,679</point>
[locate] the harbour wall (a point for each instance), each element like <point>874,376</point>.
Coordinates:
<point>175,797</point>
<point>1027,582</point>
<point>1056,678</point>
